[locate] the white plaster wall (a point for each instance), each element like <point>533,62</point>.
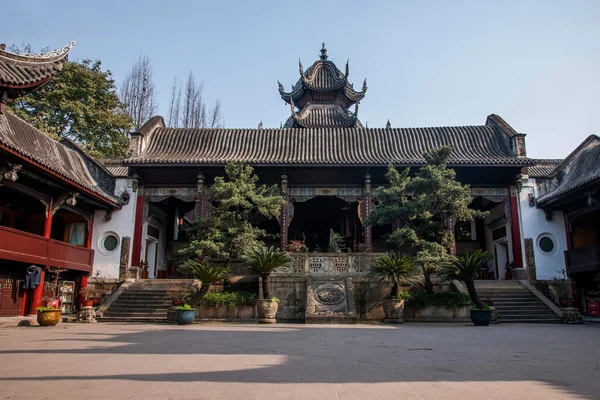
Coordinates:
<point>534,224</point>
<point>121,224</point>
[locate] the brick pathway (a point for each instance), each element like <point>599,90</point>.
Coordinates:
<point>412,361</point>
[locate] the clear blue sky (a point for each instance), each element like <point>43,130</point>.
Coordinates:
<point>427,63</point>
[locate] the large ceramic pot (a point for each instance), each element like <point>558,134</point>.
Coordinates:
<point>481,317</point>
<point>88,303</point>
<point>185,317</point>
<point>394,311</point>
<point>266,311</point>
<point>48,317</point>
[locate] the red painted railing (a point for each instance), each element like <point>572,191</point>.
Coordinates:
<point>29,248</point>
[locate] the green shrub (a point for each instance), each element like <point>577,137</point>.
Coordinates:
<point>402,295</point>
<point>46,309</point>
<point>185,307</point>
<point>439,299</point>
<point>229,299</point>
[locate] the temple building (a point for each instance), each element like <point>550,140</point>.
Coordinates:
<point>49,192</point>
<point>327,165</point>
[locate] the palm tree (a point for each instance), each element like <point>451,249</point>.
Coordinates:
<point>395,268</point>
<point>262,261</point>
<point>207,275</point>
<point>465,268</point>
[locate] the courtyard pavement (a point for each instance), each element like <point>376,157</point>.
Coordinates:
<point>288,361</point>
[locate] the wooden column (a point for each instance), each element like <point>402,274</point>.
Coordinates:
<point>367,210</point>
<point>38,293</point>
<point>137,232</point>
<point>284,215</point>
<point>515,229</point>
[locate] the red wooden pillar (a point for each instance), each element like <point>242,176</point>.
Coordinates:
<point>516,231</point>
<point>137,232</point>
<point>38,293</point>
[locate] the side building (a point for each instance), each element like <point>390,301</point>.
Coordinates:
<point>49,193</point>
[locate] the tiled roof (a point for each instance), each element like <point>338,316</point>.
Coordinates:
<point>473,145</point>
<point>118,171</point>
<point>580,168</point>
<point>323,116</point>
<point>542,168</point>
<point>32,143</point>
<point>30,69</point>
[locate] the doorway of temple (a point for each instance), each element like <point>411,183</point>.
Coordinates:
<point>316,219</point>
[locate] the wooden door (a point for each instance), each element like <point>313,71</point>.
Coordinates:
<point>10,301</point>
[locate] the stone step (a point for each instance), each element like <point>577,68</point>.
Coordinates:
<point>531,320</point>
<point>522,308</point>
<point>157,314</point>
<point>150,295</point>
<point>526,315</point>
<point>133,320</point>
<point>126,307</point>
<point>513,297</point>
<point>510,302</point>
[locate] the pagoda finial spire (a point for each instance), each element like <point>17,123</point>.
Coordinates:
<point>324,55</point>
<point>260,124</point>
<point>347,67</point>
<point>300,68</point>
<point>388,125</point>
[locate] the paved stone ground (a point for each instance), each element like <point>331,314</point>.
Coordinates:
<point>229,361</point>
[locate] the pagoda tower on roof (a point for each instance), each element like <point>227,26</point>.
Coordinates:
<point>323,97</point>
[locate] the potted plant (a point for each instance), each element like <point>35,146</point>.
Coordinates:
<point>185,314</point>
<point>465,268</point>
<point>205,273</point>
<point>86,292</point>
<point>562,288</point>
<point>263,261</point>
<point>397,269</point>
<point>49,314</point>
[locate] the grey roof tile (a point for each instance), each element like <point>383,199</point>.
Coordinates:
<point>473,145</point>
<point>39,147</point>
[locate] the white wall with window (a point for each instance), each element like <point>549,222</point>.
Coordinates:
<point>107,235</point>
<point>548,235</point>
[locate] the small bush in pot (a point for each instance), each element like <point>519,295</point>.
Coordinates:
<point>263,261</point>
<point>465,268</point>
<point>398,269</point>
<point>207,275</point>
<point>185,314</point>
<point>49,315</point>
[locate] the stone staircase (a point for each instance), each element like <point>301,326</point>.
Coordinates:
<point>515,303</point>
<point>146,300</point>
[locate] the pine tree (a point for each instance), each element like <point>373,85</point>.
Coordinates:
<point>424,204</point>
<point>227,232</point>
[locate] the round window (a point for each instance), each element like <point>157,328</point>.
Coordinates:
<point>110,242</point>
<point>546,244</point>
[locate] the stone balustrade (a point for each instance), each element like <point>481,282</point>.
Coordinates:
<point>328,264</point>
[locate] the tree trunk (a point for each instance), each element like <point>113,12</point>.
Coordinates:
<point>473,293</point>
<point>201,293</point>
<point>428,283</point>
<point>265,286</point>
<point>395,289</point>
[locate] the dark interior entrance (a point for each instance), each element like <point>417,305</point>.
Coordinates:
<point>316,218</point>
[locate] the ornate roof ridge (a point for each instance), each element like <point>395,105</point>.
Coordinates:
<point>38,58</point>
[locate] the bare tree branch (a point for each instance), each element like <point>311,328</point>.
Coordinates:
<point>137,92</point>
